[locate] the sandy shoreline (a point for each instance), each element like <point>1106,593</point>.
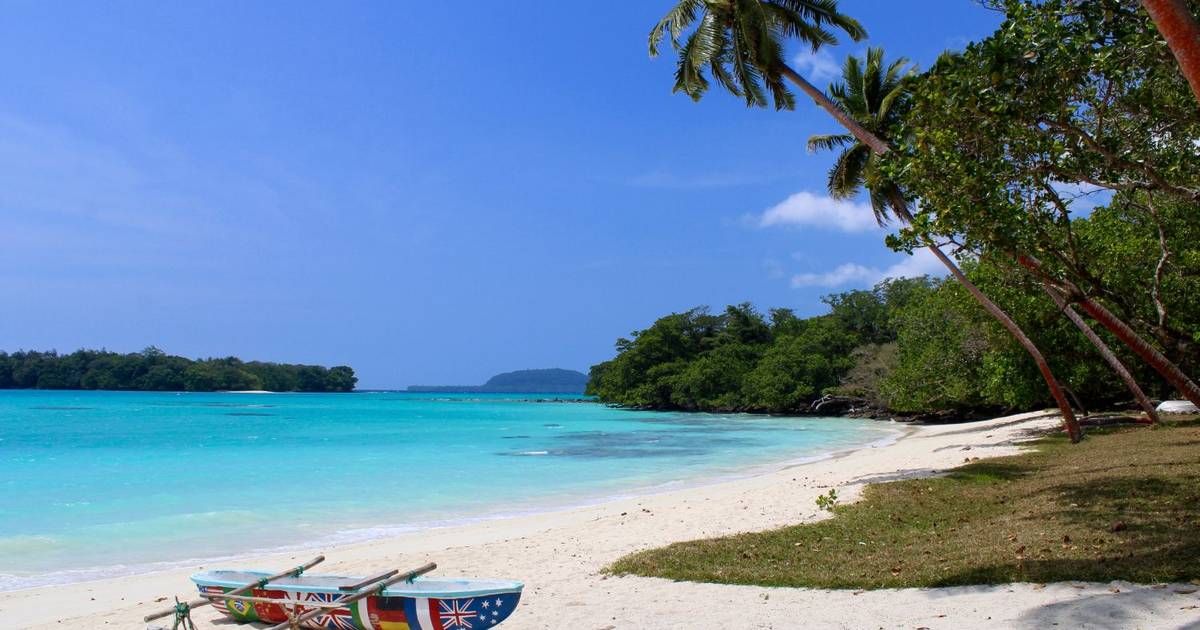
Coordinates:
<point>560,555</point>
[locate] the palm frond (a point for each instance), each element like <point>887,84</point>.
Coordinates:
<point>829,142</point>
<point>719,62</point>
<point>689,73</point>
<point>825,12</point>
<point>880,206</point>
<point>741,42</point>
<point>675,22</point>
<point>750,53</point>
<point>793,24</point>
<point>899,76</point>
<point>847,173</point>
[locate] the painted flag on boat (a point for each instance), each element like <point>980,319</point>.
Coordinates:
<point>331,618</point>
<point>272,613</point>
<point>381,613</point>
<point>426,613</point>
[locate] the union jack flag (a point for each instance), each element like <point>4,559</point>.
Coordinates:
<point>456,613</point>
<point>331,618</point>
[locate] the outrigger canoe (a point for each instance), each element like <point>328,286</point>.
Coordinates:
<point>315,600</point>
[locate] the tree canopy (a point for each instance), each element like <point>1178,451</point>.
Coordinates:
<point>154,370</point>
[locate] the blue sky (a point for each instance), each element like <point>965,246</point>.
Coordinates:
<point>429,192</point>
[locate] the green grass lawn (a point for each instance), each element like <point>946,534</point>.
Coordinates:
<point>1122,505</point>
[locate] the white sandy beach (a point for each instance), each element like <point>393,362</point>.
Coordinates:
<point>560,557</point>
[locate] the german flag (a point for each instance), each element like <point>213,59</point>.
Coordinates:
<point>384,613</point>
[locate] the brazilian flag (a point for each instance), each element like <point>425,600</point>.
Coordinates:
<point>241,610</point>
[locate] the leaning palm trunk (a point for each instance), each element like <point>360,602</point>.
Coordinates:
<point>1147,352</point>
<point>880,147</point>
<point>1105,352</point>
<point>858,131</point>
<point>1178,26</point>
<point>1069,421</point>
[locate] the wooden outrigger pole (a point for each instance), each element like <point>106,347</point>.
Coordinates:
<point>293,572</point>
<point>367,591</point>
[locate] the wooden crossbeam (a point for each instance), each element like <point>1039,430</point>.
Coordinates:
<point>293,572</point>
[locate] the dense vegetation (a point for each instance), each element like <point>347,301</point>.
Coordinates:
<point>1120,506</point>
<point>741,360</point>
<point>1055,160</point>
<point>154,370</point>
<point>911,346</point>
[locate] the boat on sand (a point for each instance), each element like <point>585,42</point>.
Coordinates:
<point>423,604</point>
<point>387,601</point>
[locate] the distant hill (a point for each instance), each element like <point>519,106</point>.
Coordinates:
<point>547,381</point>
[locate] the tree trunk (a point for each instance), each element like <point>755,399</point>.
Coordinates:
<point>1149,353</point>
<point>1083,411</point>
<point>1105,352</point>
<point>901,207</point>
<point>1178,26</point>
<point>858,131</point>
<point>1064,406</point>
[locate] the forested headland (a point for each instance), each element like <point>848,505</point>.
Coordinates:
<point>154,370</point>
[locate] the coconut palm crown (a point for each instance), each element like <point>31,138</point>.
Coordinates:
<point>873,95</point>
<point>741,43</point>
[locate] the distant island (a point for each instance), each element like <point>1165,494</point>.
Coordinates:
<point>547,381</point>
<point>154,370</point>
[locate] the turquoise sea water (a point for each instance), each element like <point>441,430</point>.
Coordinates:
<point>104,483</point>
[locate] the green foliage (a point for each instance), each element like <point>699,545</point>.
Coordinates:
<point>941,337</point>
<point>1123,238</point>
<point>953,356</point>
<point>872,365</point>
<point>741,43</point>
<point>828,500</point>
<point>875,95</point>
<point>1008,145</point>
<point>153,370</point>
<point>1062,93</point>
<point>739,360</point>
<point>914,346</point>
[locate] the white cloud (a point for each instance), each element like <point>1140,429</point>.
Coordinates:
<point>818,66</point>
<point>921,263</point>
<point>843,274</point>
<point>805,208</point>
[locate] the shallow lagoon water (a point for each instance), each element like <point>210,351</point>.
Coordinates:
<point>104,483</point>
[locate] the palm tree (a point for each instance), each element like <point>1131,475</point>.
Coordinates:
<point>871,94</point>
<point>1178,26</point>
<point>741,43</point>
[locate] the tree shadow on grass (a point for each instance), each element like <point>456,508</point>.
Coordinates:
<point>1138,529</point>
<point>899,475</point>
<point>977,472</point>
<point>1156,502</point>
<point>991,471</point>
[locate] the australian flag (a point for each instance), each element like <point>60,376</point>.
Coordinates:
<point>427,613</point>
